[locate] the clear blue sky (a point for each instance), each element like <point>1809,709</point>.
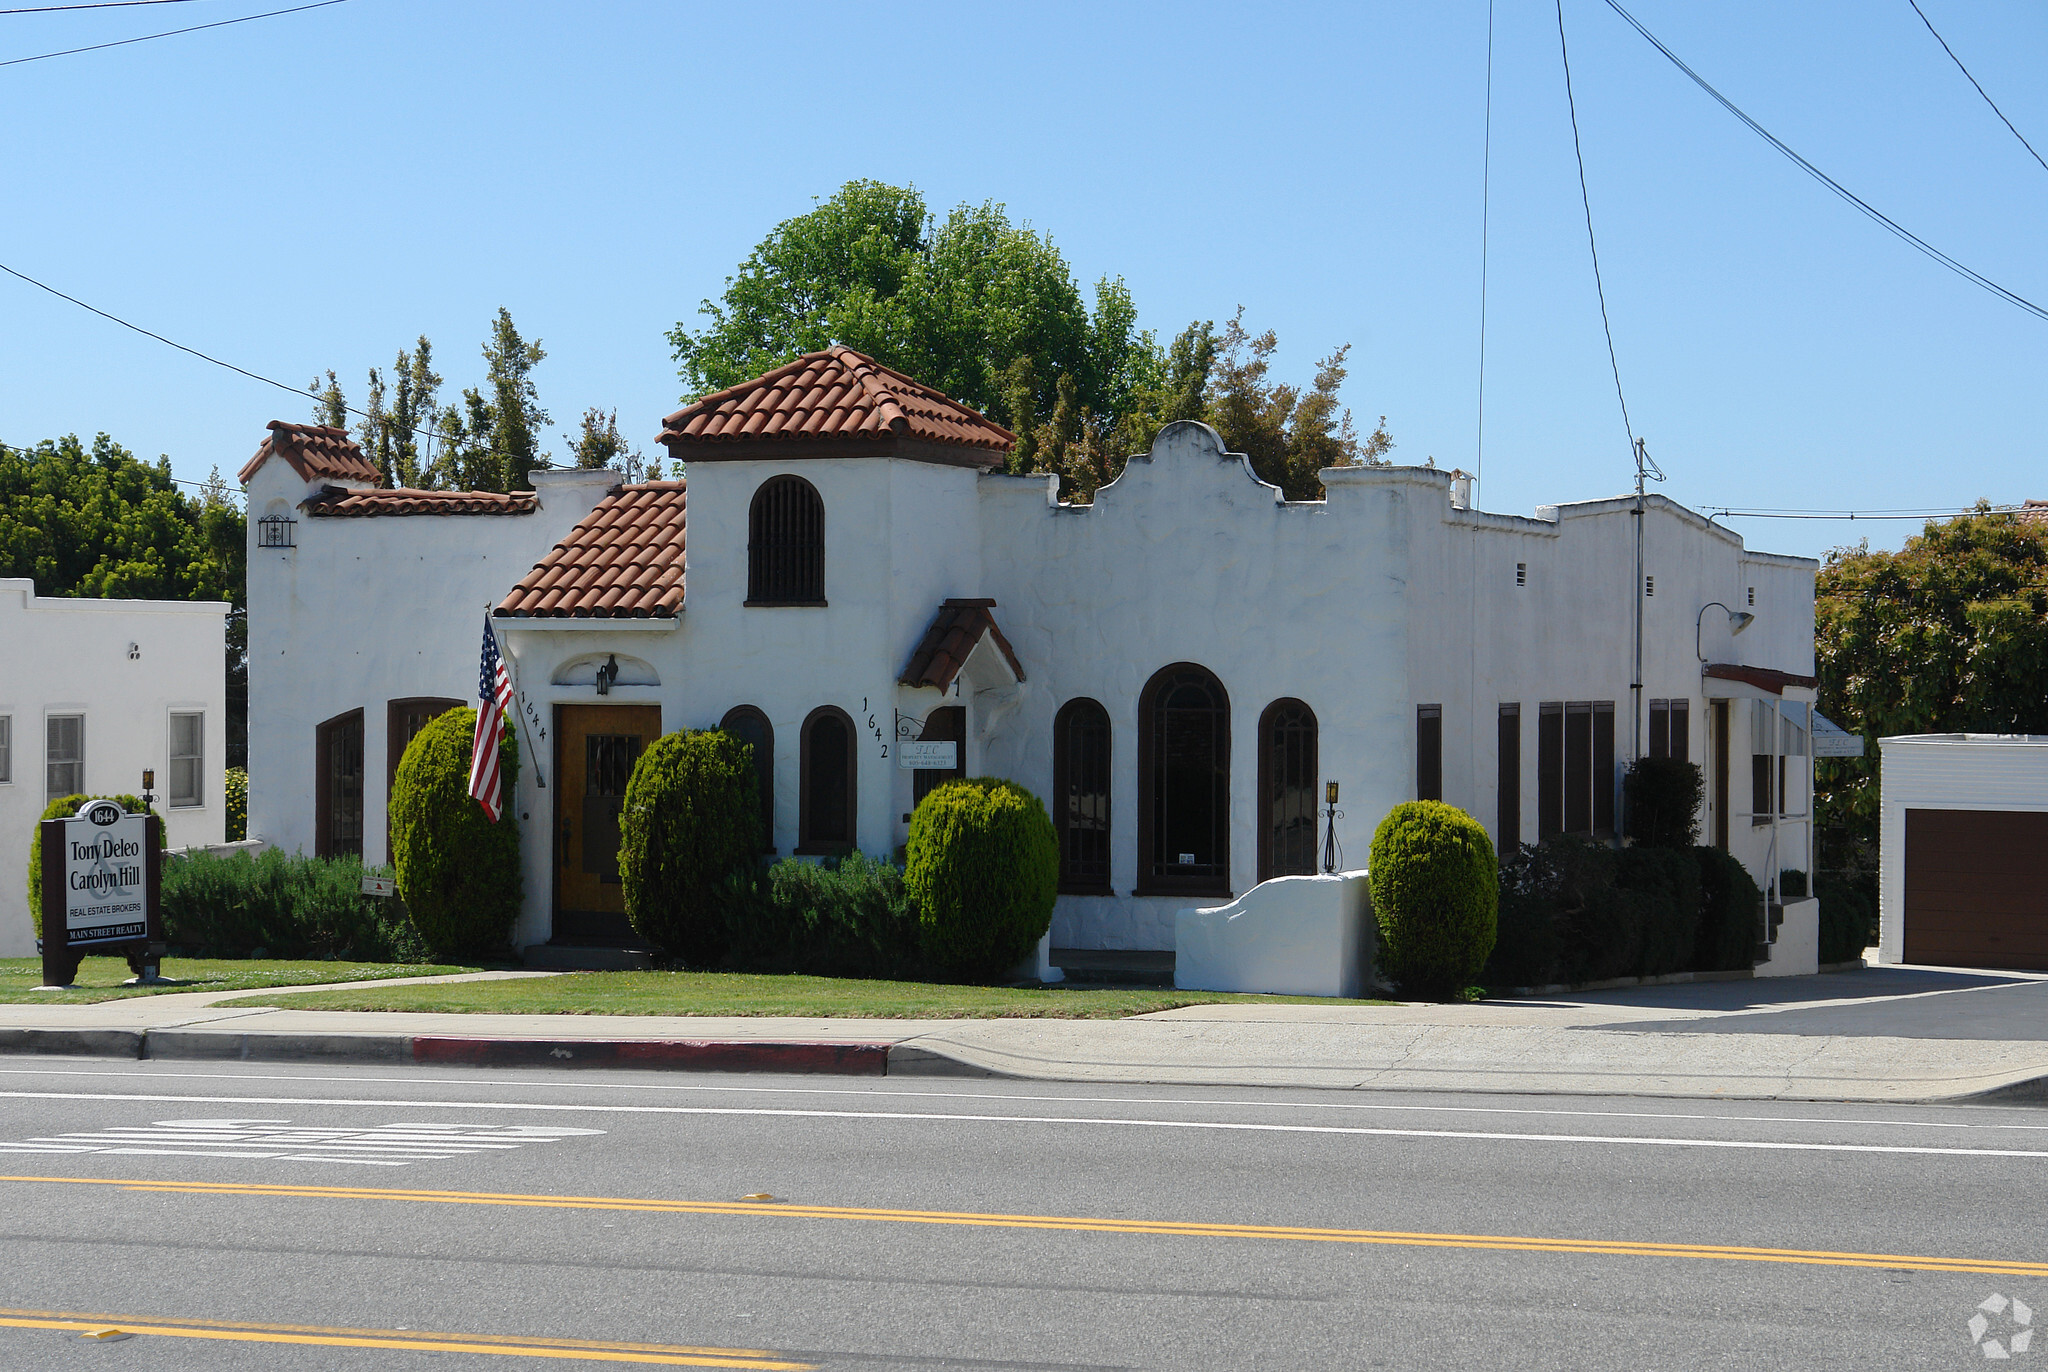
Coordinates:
<point>318,189</point>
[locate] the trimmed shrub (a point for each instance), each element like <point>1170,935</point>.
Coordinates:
<point>285,904</point>
<point>845,917</point>
<point>1848,921</point>
<point>1525,946</point>
<point>1436,897</point>
<point>1662,798</point>
<point>692,818</point>
<point>60,808</point>
<point>983,868</point>
<point>1726,941</point>
<point>458,872</point>
<point>1668,882</point>
<point>238,804</point>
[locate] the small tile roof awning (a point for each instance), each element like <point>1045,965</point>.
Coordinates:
<point>1768,679</point>
<point>334,502</point>
<point>624,560</point>
<point>315,451</point>
<point>958,626</point>
<point>835,403</point>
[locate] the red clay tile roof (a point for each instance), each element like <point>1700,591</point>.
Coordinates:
<point>2033,512</point>
<point>335,502</point>
<point>623,561</point>
<point>955,630</point>
<point>836,397</point>
<point>314,451</point>
<point>1763,678</point>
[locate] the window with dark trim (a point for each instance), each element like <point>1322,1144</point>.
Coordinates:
<point>1575,768</point>
<point>1429,752</point>
<point>825,800</point>
<point>338,786</point>
<point>1287,790</point>
<point>786,544</point>
<point>1508,790</point>
<point>947,724</point>
<point>1184,783</point>
<point>187,770</point>
<point>1080,787</point>
<point>1671,729</point>
<point>403,720</point>
<point>750,726</point>
<point>63,756</point>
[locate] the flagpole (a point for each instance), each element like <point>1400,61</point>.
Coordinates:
<point>540,780</point>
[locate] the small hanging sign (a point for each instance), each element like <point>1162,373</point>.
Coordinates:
<point>928,757</point>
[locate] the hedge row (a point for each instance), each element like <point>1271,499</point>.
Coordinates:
<point>282,905</point>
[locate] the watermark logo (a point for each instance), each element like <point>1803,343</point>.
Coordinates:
<point>2012,1332</point>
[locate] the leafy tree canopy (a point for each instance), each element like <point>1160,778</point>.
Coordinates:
<point>989,312</point>
<point>1949,634</point>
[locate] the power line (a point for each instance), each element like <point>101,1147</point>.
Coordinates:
<point>1485,216</point>
<point>96,5</point>
<point>1586,198</point>
<point>1905,234</point>
<point>1945,513</point>
<point>203,357</point>
<point>1973,81</point>
<point>168,33</point>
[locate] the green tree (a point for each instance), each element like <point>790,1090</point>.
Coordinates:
<point>1949,634</point>
<point>101,523</point>
<point>416,398</point>
<point>516,417</point>
<point>330,406</point>
<point>600,444</point>
<point>1289,433</point>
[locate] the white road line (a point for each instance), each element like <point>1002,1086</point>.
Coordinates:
<point>891,1093</point>
<point>1240,1126</point>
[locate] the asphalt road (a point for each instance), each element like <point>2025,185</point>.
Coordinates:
<point>284,1218</point>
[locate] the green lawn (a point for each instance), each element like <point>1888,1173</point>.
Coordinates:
<point>725,993</point>
<point>101,978</point>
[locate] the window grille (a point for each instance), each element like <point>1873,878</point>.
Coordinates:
<point>1521,573</point>
<point>188,759</point>
<point>786,544</point>
<point>64,755</point>
<point>1287,790</point>
<point>825,818</point>
<point>1649,586</point>
<point>1184,783</point>
<point>275,531</point>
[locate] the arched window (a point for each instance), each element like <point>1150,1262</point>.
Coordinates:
<point>786,544</point>
<point>1080,788</point>
<point>1184,783</point>
<point>826,804</point>
<point>338,787</point>
<point>1287,790</point>
<point>947,724</point>
<point>751,727</point>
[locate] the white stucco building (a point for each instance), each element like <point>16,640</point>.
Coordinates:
<point>1177,668</point>
<point>92,692</point>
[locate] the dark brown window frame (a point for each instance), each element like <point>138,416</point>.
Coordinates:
<point>1268,868</point>
<point>764,767</point>
<point>1575,768</point>
<point>786,565</point>
<point>323,784</point>
<point>1507,803</point>
<point>1149,882</point>
<point>1062,782</point>
<point>395,710</point>
<point>1671,729</point>
<point>1429,752</point>
<point>806,845</point>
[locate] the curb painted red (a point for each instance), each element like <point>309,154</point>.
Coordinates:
<point>740,1055</point>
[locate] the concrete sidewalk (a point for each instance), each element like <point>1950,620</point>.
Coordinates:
<point>1879,1034</point>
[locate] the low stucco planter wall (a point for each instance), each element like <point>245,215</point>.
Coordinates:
<point>1292,936</point>
<point>1796,952</point>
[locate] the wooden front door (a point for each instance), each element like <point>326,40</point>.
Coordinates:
<point>595,749</point>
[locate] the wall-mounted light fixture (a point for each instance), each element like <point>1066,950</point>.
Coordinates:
<point>1330,831</point>
<point>148,788</point>
<point>607,674</point>
<point>1738,620</point>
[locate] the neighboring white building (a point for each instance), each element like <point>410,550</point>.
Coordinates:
<point>1963,838</point>
<point>92,692</point>
<point>1177,668</point>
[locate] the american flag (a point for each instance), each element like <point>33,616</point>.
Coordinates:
<point>494,690</point>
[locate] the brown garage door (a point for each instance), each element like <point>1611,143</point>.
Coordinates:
<point>1977,888</point>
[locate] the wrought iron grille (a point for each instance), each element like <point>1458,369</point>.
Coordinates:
<point>786,544</point>
<point>275,531</point>
<point>1081,736</point>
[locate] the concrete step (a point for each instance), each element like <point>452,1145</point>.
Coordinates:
<point>1115,966</point>
<point>570,957</point>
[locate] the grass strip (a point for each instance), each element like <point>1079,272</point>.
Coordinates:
<point>101,978</point>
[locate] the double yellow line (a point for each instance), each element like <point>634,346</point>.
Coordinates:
<point>322,1336</point>
<point>1082,1224</point>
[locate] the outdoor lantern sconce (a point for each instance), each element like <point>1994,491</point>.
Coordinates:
<point>148,786</point>
<point>607,674</point>
<point>1738,620</point>
<point>1330,832</point>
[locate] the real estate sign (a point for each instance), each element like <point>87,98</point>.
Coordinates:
<point>102,872</point>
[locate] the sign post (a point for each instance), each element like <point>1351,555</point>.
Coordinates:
<point>102,878</point>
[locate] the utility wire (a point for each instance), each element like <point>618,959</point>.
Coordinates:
<point>1723,511</point>
<point>168,33</point>
<point>243,371</point>
<point>1586,198</point>
<point>1905,234</point>
<point>97,5</point>
<point>1973,81</point>
<point>1485,214</point>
